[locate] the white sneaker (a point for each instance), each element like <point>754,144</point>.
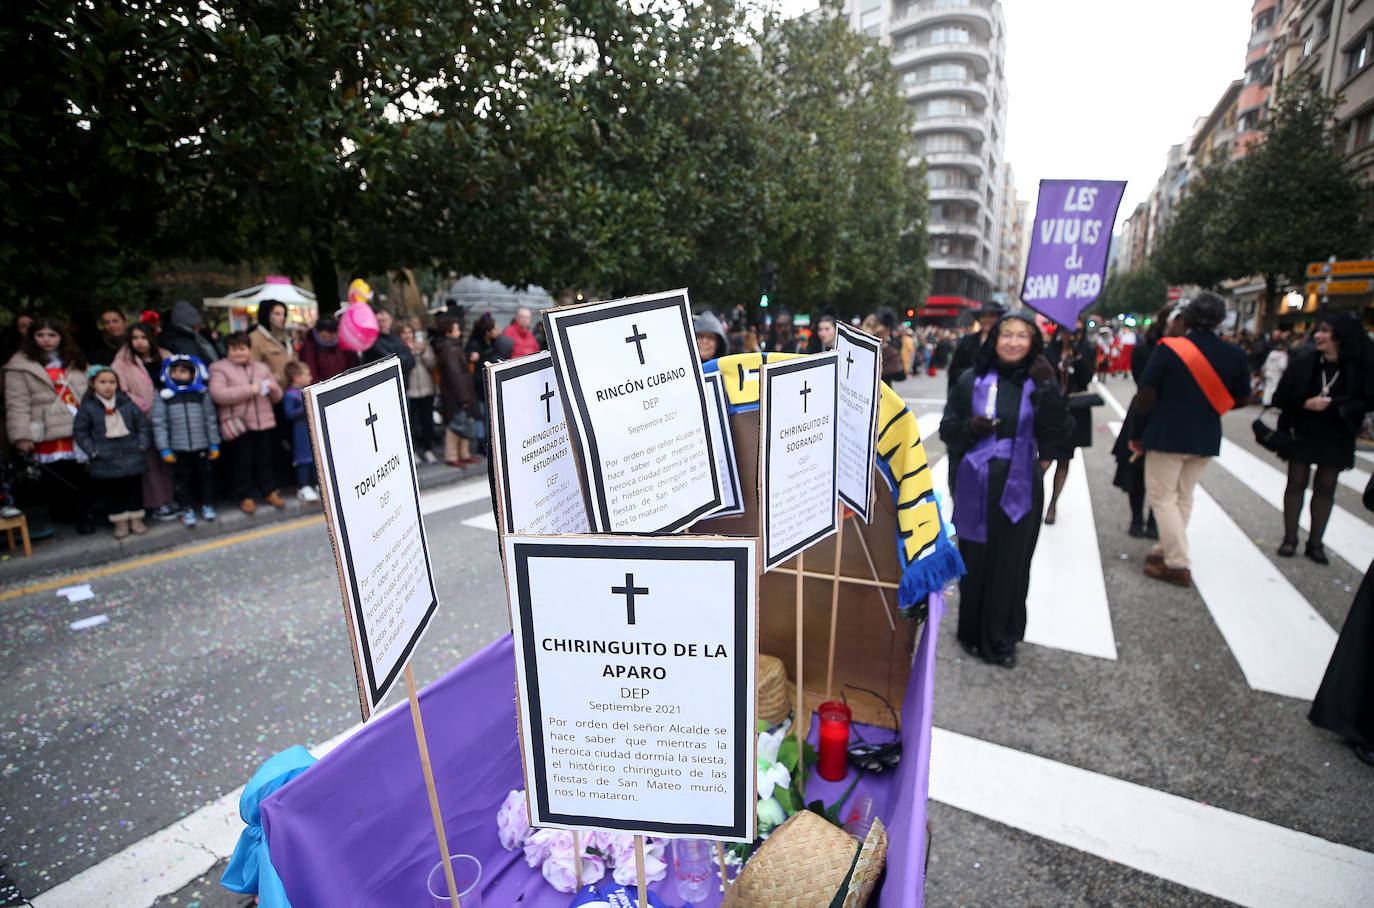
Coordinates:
<point>428,457</point>
<point>307,493</point>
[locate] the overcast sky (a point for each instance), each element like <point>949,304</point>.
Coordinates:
<point>1099,89</point>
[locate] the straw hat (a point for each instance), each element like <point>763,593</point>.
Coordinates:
<point>869,866</point>
<point>804,863</point>
<point>776,693</point>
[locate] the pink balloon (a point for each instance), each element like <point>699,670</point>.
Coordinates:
<point>358,328</point>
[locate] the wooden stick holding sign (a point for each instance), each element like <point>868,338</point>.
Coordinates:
<point>834,601</point>
<point>799,717</point>
<point>360,432</point>
<point>797,473</point>
<point>428,770</point>
<point>639,872</point>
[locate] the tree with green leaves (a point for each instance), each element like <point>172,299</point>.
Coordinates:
<point>1294,198</point>
<point>1140,291</point>
<point>849,224</point>
<point>592,144</point>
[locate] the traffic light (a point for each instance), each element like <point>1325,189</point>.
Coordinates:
<point>767,280</point>
<point>911,313</point>
<point>763,301</point>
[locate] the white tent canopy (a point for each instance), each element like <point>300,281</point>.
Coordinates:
<point>274,289</point>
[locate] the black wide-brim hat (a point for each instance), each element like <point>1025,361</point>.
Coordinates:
<point>996,309</point>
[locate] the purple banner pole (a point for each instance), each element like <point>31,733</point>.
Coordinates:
<point>1070,238</point>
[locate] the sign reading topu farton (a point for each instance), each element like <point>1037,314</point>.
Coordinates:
<point>358,424</point>
<point>635,664</point>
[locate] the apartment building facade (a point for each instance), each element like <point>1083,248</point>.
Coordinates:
<point>950,60</point>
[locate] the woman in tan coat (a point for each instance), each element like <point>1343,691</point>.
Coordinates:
<point>44,384</point>
<point>244,390</point>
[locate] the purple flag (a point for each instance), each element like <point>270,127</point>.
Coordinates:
<point>1070,237</point>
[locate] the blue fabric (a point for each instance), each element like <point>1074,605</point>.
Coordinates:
<point>250,867</point>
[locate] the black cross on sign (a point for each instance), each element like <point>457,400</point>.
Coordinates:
<point>370,422</point>
<point>803,392</point>
<point>637,339</point>
<point>548,407</point>
<point>629,591</point>
<point>849,361</point>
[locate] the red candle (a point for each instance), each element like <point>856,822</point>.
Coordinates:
<point>834,740</point>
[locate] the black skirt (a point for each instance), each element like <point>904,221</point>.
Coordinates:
<point>1345,701</point>
<point>1080,437</point>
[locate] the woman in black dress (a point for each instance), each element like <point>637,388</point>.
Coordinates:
<point>1322,398</point>
<point>998,418</point>
<point>1074,360</point>
<point>1345,701</point>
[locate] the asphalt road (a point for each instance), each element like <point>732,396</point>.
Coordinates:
<point>210,664</point>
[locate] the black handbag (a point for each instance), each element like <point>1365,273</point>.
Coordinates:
<point>1277,440</point>
<point>1083,400</point>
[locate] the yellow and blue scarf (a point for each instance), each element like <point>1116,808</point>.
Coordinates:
<point>929,559</point>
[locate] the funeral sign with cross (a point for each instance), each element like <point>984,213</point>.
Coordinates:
<point>797,457</point>
<point>856,417</point>
<point>637,409</point>
<point>635,667</point>
<point>371,496</point>
<point>723,440</point>
<point>537,487</point>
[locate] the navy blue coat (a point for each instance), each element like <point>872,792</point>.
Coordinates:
<point>113,458</point>
<point>1172,414</point>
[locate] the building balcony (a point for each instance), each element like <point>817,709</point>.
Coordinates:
<point>965,160</point>
<point>976,128</point>
<point>957,262</point>
<point>973,197</point>
<point>975,14</point>
<point>964,89</point>
<point>1252,96</point>
<point>955,228</point>
<point>976,55</point>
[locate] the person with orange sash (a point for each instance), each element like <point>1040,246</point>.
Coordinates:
<point>1188,384</point>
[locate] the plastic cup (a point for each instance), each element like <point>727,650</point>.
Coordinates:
<point>858,819</point>
<point>693,868</point>
<point>467,874</point>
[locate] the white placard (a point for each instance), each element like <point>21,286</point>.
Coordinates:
<point>361,434</point>
<point>637,407</point>
<point>797,458</point>
<point>856,417</point>
<point>723,440</point>
<point>635,664</point>
<point>532,455</point>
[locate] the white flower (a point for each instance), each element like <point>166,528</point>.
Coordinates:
<point>771,774</point>
<point>769,742</point>
<point>770,814</point>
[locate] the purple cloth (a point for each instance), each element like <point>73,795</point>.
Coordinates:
<point>971,487</point>
<point>1070,238</point>
<point>356,829</point>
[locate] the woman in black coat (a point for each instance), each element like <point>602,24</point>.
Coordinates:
<point>1322,398</point>
<point>1074,359</point>
<point>1345,701</point>
<point>1001,414</point>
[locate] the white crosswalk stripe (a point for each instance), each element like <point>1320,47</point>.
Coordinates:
<point>1280,642</point>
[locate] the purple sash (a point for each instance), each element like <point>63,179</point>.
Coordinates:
<point>971,486</point>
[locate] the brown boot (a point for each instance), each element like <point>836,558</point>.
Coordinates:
<point>275,500</point>
<point>136,524</point>
<point>1155,558</point>
<point>247,506</point>
<point>1176,576</point>
<point>121,527</point>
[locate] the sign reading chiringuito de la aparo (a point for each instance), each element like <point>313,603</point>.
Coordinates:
<point>635,664</point>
